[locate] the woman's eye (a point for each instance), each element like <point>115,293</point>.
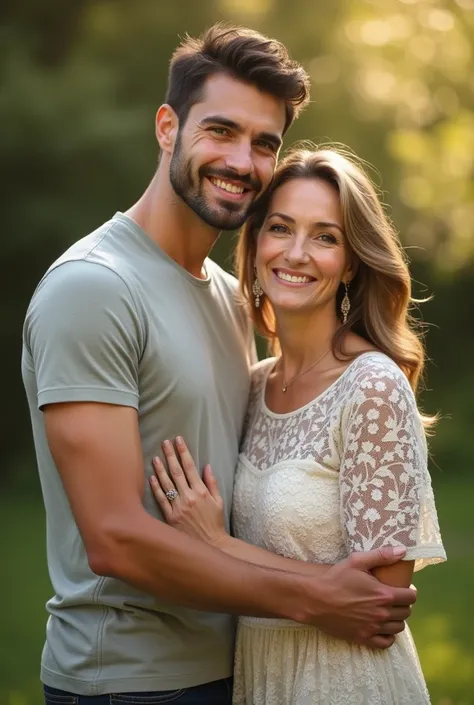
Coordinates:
<point>278,228</point>
<point>327,238</point>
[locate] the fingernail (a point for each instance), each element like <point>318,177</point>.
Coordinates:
<point>179,440</point>
<point>156,460</point>
<point>209,469</point>
<point>152,479</point>
<point>399,550</point>
<point>166,444</point>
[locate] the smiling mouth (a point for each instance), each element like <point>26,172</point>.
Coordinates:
<point>293,278</point>
<point>228,187</point>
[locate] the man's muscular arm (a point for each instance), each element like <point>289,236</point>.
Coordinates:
<point>97,450</point>
<point>86,333</point>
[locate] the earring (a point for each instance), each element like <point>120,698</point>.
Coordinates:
<point>345,303</point>
<point>257,290</point>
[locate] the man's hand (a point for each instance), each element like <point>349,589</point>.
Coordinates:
<point>355,606</point>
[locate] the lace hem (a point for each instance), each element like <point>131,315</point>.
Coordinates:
<point>428,554</point>
<point>307,667</point>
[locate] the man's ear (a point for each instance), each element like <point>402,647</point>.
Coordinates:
<point>166,127</point>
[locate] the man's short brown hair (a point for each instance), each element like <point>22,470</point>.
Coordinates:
<point>243,54</point>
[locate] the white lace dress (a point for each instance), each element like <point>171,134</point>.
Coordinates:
<point>346,472</point>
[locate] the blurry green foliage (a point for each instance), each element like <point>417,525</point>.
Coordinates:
<point>80,85</point>
<point>80,82</point>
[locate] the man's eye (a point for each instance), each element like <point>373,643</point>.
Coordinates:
<point>219,130</point>
<point>266,145</point>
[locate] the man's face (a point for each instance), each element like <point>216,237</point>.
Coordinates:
<point>226,151</point>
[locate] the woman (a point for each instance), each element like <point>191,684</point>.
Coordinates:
<point>333,455</point>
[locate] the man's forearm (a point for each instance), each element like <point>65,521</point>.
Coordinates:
<point>97,450</point>
<point>347,602</point>
<point>165,562</point>
<point>259,556</point>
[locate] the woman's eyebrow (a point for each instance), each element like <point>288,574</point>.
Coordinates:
<point>283,216</point>
<point>324,224</point>
<point>317,224</point>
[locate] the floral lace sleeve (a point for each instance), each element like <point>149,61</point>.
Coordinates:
<point>386,493</point>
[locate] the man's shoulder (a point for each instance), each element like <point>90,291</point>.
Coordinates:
<point>87,276</point>
<point>221,276</point>
<point>90,263</point>
<point>95,248</point>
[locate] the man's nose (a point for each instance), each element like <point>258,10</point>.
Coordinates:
<point>239,158</point>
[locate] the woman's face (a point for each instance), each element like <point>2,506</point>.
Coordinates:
<point>302,253</point>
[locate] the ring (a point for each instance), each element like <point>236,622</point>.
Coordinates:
<point>171,495</point>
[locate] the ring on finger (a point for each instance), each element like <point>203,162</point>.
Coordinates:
<point>171,495</point>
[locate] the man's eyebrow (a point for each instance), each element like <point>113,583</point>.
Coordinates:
<point>271,137</point>
<point>274,139</point>
<point>221,120</point>
<point>318,224</point>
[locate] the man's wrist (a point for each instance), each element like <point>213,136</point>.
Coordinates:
<point>222,541</point>
<point>296,596</point>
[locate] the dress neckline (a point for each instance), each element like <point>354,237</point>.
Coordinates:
<point>288,414</point>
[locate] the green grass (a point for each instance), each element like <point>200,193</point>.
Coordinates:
<point>441,623</point>
<point>442,620</point>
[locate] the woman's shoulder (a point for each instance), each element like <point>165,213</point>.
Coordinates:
<point>378,364</point>
<point>373,374</point>
<point>366,362</point>
<point>261,367</point>
<point>259,372</point>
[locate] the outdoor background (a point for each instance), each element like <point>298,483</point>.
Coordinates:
<point>80,84</point>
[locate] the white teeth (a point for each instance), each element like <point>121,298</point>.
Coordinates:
<point>225,186</point>
<point>290,278</point>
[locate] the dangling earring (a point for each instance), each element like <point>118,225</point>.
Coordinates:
<point>345,303</point>
<point>256,289</point>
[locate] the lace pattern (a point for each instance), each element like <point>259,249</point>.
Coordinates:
<point>346,472</point>
<point>365,427</point>
<point>307,667</point>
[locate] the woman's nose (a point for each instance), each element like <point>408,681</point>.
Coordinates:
<point>296,252</point>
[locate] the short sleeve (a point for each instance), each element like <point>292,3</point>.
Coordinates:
<point>83,335</point>
<point>386,493</point>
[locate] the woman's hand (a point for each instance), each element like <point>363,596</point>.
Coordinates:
<point>193,506</point>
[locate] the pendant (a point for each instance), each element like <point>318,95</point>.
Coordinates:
<point>283,389</point>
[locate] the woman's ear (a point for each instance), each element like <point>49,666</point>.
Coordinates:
<point>166,128</point>
<point>351,269</point>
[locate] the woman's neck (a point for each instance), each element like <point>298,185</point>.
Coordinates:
<point>304,339</point>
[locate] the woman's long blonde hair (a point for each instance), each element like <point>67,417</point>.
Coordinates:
<point>380,292</point>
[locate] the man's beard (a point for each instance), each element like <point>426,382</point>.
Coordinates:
<point>225,216</point>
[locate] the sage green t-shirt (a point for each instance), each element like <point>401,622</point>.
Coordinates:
<point>115,320</point>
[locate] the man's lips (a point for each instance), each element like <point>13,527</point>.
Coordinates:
<point>230,189</point>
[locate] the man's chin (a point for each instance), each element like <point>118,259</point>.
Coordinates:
<point>225,220</point>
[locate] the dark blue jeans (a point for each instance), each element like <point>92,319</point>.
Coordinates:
<point>215,693</point>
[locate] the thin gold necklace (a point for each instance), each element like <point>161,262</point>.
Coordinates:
<point>300,374</point>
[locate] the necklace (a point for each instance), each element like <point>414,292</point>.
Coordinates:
<point>300,374</point>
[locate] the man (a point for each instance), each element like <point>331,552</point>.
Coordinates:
<point>134,336</point>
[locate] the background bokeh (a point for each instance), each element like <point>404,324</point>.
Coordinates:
<point>394,79</point>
